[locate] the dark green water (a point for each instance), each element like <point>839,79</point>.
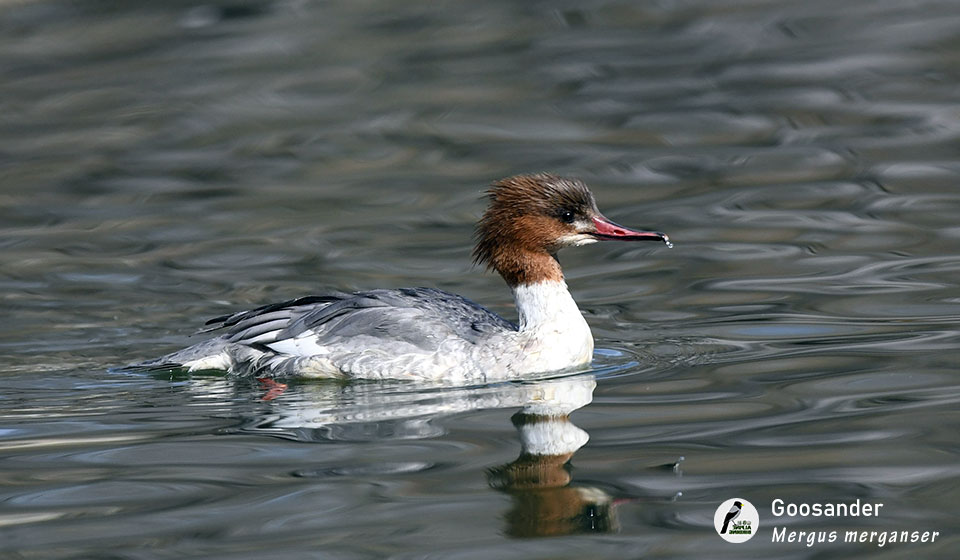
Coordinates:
<point>164,163</point>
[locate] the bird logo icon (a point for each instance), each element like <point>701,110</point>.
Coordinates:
<point>736,520</point>
<point>731,515</point>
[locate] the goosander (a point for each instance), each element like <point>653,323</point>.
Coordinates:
<point>429,334</point>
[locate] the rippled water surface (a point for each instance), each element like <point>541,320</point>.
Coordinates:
<point>163,163</point>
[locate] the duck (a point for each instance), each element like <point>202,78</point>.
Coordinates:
<point>428,334</point>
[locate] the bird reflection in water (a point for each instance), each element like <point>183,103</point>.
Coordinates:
<point>545,500</point>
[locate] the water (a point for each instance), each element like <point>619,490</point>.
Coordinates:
<point>169,162</point>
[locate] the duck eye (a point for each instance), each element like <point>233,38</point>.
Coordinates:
<point>567,216</point>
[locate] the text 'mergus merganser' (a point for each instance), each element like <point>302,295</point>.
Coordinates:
<point>429,334</point>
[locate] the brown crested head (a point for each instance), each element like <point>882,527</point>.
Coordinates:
<point>531,217</point>
<point>524,224</point>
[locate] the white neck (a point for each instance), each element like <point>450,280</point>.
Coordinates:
<point>556,334</point>
<point>553,334</point>
<point>546,305</point>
